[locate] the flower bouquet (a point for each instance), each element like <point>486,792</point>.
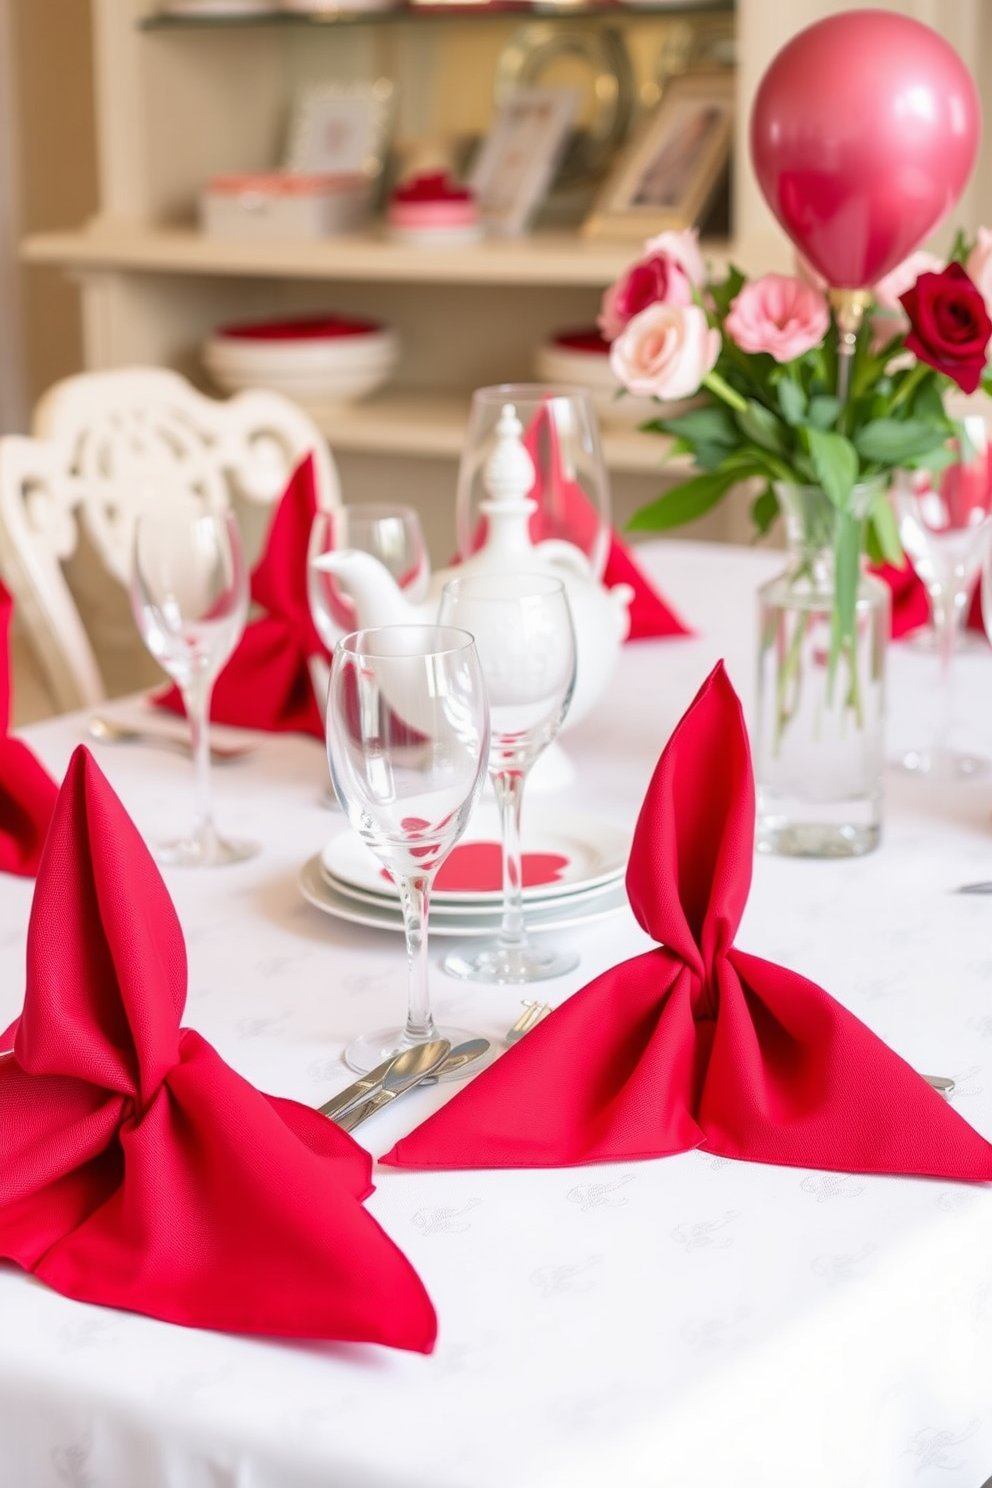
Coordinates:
<point>819,418</point>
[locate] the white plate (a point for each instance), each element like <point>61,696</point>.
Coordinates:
<point>318,891</point>
<point>471,909</point>
<point>591,852</point>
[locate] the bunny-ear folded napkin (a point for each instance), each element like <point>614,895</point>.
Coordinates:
<point>696,1043</point>
<point>137,1169</point>
<point>266,683</point>
<point>27,791</point>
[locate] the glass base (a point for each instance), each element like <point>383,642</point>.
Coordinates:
<point>513,966</point>
<point>815,839</point>
<point>209,851</point>
<point>372,1049</point>
<point>943,764</point>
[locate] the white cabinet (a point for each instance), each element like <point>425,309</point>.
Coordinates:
<point>176,105</point>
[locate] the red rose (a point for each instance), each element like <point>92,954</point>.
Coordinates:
<point>949,325</point>
<point>658,280</point>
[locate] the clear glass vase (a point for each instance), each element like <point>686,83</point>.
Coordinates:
<point>819,748</point>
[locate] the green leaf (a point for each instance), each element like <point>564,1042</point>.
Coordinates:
<point>760,424</point>
<point>823,411</point>
<point>764,510</point>
<point>791,400</point>
<point>713,425</point>
<point>892,441</point>
<point>683,503</point>
<point>883,529</point>
<point>835,461</point>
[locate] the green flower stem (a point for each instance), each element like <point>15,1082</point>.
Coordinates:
<point>908,385</point>
<point>722,390</point>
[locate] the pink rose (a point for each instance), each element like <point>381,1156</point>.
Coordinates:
<point>665,351</point>
<point>657,279</point>
<point>683,249</point>
<point>979,266</point>
<point>778,314</point>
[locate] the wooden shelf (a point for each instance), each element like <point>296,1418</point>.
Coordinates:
<point>557,259</point>
<point>422,424</point>
<point>341,14</point>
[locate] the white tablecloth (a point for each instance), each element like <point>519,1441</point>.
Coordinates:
<point>692,1322</point>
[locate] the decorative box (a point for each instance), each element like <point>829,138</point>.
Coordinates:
<point>283,205</point>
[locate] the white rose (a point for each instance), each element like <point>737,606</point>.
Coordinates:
<point>665,351</point>
<point>978,266</point>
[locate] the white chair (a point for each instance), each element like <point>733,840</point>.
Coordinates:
<point>106,446</point>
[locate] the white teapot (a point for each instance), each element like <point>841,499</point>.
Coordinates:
<point>600,616</point>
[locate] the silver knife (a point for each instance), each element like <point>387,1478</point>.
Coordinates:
<point>397,1081</point>
<point>362,1087</point>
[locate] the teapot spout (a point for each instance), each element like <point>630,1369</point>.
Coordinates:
<point>375,594</point>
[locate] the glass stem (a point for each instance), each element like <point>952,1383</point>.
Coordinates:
<point>196,698</point>
<point>415,890</point>
<point>509,788</point>
<point>945,621</point>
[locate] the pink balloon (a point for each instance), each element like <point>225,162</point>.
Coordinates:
<point>864,131</point>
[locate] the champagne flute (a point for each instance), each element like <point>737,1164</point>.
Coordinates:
<point>946,530</point>
<point>407,744</point>
<point>189,595</point>
<point>523,630</point>
<point>391,533</point>
<point>571,486</point>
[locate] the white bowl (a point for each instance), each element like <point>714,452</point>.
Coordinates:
<point>339,369</point>
<point>555,363</point>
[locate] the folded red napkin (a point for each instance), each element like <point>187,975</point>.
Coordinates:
<point>910,604</point>
<point>696,1043</point>
<point>266,683</point>
<point>137,1170</point>
<point>27,791</point>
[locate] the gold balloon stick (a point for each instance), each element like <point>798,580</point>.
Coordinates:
<point>849,306</point>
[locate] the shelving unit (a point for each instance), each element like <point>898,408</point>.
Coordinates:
<point>182,98</point>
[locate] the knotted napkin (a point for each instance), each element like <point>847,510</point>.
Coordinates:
<point>27,791</point>
<point>696,1043</point>
<point>137,1170</point>
<point>266,683</point>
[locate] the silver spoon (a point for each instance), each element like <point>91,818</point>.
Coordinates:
<point>109,731</point>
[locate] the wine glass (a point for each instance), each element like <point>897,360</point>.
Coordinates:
<point>571,486</point>
<point>189,594</point>
<point>407,744</point>
<point>391,533</point>
<point>523,630</point>
<point>945,530</point>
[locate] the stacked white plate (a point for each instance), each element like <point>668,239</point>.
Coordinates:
<point>573,871</point>
<point>330,359</point>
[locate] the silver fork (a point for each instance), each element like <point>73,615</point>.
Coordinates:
<point>530,1017</point>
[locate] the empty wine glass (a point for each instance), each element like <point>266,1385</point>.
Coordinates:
<point>571,486</point>
<point>523,630</point>
<point>392,534</point>
<point>407,744</point>
<point>189,594</point>
<point>945,529</point>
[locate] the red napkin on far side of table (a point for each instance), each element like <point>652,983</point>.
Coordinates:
<point>137,1169</point>
<point>27,791</point>
<point>696,1043</point>
<point>266,683</point>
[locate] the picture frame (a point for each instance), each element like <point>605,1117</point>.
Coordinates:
<point>341,129</point>
<point>517,160</point>
<point>666,178</point>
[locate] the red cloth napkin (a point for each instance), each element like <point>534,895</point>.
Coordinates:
<point>266,683</point>
<point>697,1043</point>
<point>137,1170</point>
<point>910,605</point>
<point>27,791</point>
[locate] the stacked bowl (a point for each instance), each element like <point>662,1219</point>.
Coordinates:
<point>314,359</point>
